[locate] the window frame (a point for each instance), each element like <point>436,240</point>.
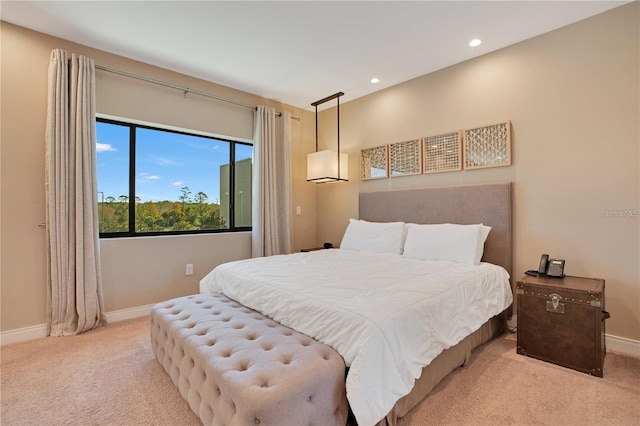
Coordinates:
<point>132,125</point>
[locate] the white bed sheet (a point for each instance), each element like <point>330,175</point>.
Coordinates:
<point>388,316</point>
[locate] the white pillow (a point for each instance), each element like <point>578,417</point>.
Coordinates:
<point>446,241</point>
<point>482,237</point>
<point>381,237</point>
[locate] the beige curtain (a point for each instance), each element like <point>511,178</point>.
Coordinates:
<point>271,227</point>
<point>74,288</point>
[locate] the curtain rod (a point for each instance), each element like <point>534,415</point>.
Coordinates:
<point>186,90</point>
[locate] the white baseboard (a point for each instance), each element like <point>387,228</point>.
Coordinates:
<point>612,343</point>
<point>622,345</point>
<point>125,314</point>
<point>23,334</point>
<point>37,331</point>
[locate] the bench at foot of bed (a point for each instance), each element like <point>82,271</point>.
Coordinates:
<point>236,366</point>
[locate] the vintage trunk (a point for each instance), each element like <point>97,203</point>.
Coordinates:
<point>561,320</point>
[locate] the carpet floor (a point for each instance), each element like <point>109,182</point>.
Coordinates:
<point>109,376</point>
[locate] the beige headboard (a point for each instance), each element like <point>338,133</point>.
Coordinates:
<point>488,203</point>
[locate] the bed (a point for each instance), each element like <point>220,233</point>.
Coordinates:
<point>324,295</point>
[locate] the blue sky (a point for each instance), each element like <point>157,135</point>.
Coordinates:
<point>165,162</point>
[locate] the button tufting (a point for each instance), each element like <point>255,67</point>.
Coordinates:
<point>184,357</point>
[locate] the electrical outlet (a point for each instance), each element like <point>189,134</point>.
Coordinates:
<point>298,210</point>
<point>189,269</point>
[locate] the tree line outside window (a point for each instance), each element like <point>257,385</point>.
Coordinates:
<point>154,181</point>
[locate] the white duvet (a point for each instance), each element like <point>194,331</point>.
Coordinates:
<point>388,316</point>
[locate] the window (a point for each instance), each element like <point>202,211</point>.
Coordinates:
<point>154,181</point>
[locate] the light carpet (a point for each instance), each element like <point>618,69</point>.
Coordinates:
<point>109,376</point>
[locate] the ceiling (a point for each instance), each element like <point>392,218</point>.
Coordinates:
<point>298,52</point>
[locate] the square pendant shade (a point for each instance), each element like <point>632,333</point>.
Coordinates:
<point>322,167</point>
<point>328,166</point>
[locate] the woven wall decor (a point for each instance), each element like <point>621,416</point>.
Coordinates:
<point>443,152</point>
<point>374,163</point>
<point>405,158</point>
<point>488,146</point>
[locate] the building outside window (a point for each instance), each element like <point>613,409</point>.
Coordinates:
<point>155,181</point>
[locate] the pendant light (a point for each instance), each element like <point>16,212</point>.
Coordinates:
<point>328,165</point>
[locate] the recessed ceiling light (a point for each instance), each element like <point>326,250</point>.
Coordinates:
<point>375,80</point>
<point>475,42</point>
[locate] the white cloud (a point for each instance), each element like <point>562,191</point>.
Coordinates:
<point>145,177</point>
<point>176,183</point>
<point>104,147</point>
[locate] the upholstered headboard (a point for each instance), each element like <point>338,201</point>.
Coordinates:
<point>488,203</point>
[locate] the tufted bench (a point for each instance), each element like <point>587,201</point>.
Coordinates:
<point>235,366</point>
